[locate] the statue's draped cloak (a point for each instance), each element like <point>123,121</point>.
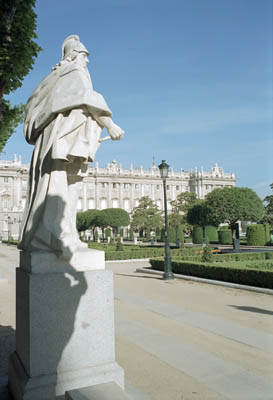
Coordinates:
<point>61,120</point>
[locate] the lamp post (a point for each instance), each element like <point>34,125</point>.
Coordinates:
<point>168,274</point>
<point>9,230</point>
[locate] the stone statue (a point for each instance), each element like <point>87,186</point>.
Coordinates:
<point>64,119</point>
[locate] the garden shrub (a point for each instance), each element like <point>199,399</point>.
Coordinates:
<point>108,232</point>
<point>180,235</point>
<point>225,236</point>
<point>131,234</point>
<point>207,254</point>
<point>171,234</point>
<point>119,246</point>
<point>267,234</point>
<point>256,235</point>
<point>211,233</point>
<point>197,235</point>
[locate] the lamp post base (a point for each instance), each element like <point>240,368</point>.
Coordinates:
<point>167,276</point>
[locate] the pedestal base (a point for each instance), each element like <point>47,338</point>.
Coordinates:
<point>64,332</point>
<point>47,387</point>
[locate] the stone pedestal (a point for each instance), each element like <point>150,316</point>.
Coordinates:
<point>64,327</point>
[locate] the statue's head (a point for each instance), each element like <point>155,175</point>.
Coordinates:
<point>73,51</point>
<point>71,47</point>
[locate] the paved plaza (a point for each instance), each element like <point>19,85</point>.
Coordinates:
<point>177,340</point>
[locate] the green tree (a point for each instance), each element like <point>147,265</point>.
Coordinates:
<point>230,205</point>
<point>101,220</point>
<point>17,54</point>
<point>181,206</point>
<point>81,222</point>
<point>91,220</point>
<point>146,216</point>
<point>116,217</point>
<point>269,208</point>
<point>176,221</point>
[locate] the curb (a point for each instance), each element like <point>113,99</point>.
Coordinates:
<point>126,261</point>
<point>211,282</point>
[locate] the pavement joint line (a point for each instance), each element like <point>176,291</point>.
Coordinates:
<point>210,281</point>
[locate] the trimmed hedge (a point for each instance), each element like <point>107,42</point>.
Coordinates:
<point>256,235</point>
<point>243,256</point>
<point>211,233</point>
<point>197,235</point>
<point>243,276</point>
<point>146,252</point>
<point>225,236</point>
<point>133,254</point>
<point>267,234</point>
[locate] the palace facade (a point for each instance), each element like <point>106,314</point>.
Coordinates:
<point>108,187</point>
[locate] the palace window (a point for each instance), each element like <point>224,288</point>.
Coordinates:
<point>137,186</point>
<point>91,204</point>
<point>103,204</point>
<point>115,203</point>
<point>6,178</point>
<point>126,185</point>
<point>126,204</point>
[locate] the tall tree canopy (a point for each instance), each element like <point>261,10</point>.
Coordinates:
<point>269,207</point>
<point>115,217</point>
<point>180,207</point>
<point>230,205</point>
<point>146,215</point>
<point>17,54</point>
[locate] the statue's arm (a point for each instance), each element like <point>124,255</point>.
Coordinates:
<point>114,130</point>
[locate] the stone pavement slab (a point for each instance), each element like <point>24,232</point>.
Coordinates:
<point>181,340</point>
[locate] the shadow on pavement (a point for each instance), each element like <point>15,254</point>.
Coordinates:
<point>7,347</point>
<point>253,309</point>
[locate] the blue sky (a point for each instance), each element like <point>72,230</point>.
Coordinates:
<point>190,81</point>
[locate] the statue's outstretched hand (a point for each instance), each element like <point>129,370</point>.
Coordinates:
<point>115,132</point>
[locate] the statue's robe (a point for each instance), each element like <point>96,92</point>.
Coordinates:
<point>61,121</point>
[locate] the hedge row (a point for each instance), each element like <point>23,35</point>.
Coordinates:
<point>148,252</point>
<point>229,257</point>
<point>243,256</point>
<point>129,255</point>
<point>243,276</point>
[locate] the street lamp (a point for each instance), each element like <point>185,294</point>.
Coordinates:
<point>9,230</point>
<point>168,274</point>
